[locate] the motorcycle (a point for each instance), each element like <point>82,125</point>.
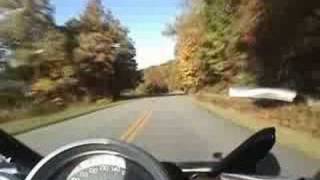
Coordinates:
<point>105,159</point>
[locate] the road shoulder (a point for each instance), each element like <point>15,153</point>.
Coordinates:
<point>300,141</point>
<point>24,125</point>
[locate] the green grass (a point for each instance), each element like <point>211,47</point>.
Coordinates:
<point>16,127</point>
<point>300,140</point>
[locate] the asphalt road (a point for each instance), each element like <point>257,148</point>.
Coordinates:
<point>170,128</point>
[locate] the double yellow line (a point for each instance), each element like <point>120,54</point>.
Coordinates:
<point>136,127</point>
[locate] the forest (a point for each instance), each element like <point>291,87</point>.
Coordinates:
<point>269,43</point>
<point>46,67</point>
<point>251,43</point>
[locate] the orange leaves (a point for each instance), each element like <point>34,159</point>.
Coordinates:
<point>187,71</point>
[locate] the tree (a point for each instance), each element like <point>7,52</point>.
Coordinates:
<point>94,17</point>
<point>159,79</point>
<point>285,38</point>
<point>95,58</point>
<point>54,73</point>
<point>154,81</point>
<point>105,56</point>
<point>189,29</point>
<point>90,56</point>
<point>26,21</point>
<point>72,32</point>
<point>126,75</point>
<point>95,55</point>
<point>204,32</point>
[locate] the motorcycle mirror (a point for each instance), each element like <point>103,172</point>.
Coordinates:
<point>245,157</point>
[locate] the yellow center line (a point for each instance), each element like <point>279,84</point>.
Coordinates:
<point>139,128</point>
<point>136,127</point>
<point>133,126</point>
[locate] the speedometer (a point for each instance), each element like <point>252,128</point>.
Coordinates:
<point>98,160</point>
<point>100,167</point>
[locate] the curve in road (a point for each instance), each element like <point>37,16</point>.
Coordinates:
<point>171,128</point>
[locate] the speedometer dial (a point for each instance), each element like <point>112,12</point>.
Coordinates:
<point>100,168</point>
<point>98,160</point>
<point>106,167</point>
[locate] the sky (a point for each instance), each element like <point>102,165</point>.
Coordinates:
<point>146,19</point>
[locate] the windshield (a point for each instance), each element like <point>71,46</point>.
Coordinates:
<point>183,79</point>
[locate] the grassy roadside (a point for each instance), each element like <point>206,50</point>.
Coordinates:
<point>24,125</point>
<point>299,140</point>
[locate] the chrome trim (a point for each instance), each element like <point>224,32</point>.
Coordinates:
<point>202,170</point>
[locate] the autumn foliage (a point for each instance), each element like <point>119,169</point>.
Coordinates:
<point>90,57</point>
<point>247,42</point>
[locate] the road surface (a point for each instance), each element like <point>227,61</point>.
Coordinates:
<point>171,128</point>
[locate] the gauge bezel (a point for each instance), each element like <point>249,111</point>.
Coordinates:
<point>52,163</point>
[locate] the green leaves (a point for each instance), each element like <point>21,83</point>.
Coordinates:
<point>26,21</point>
<point>70,62</point>
<point>52,46</point>
<point>203,32</point>
<point>10,5</point>
<point>110,68</point>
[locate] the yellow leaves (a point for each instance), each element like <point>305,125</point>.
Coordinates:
<point>52,47</point>
<point>187,69</point>
<point>43,85</point>
<point>54,74</point>
<point>57,77</point>
<point>203,32</point>
<point>68,71</point>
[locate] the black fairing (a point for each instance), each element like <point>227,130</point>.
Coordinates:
<point>20,154</point>
<point>245,157</point>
